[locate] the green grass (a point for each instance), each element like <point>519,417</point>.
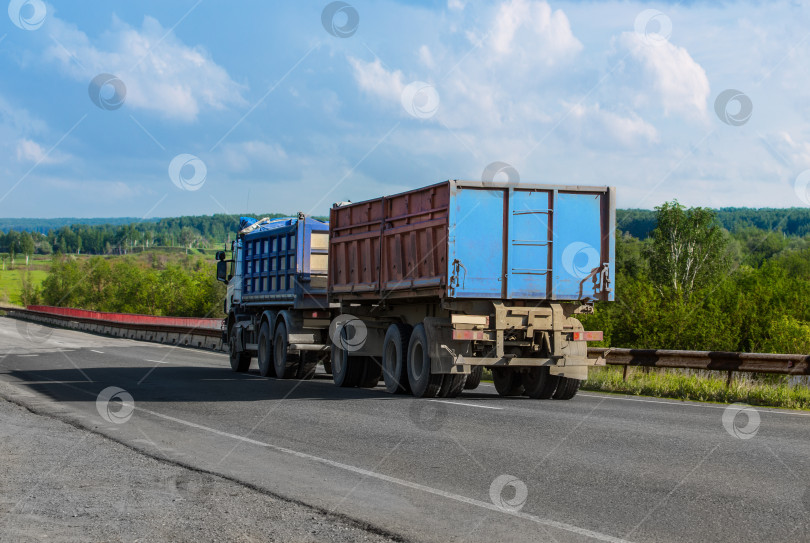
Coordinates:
<point>11,283</point>
<point>764,390</point>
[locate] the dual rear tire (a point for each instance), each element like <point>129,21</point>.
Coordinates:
<point>536,382</point>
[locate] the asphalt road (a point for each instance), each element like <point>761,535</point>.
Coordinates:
<point>474,468</point>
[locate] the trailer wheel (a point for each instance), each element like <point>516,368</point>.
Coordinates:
<point>507,381</point>
<point>474,378</point>
<point>346,370</point>
<point>538,383</point>
<point>394,359</point>
<point>566,389</point>
<point>372,372</point>
<point>452,385</point>
<point>307,364</point>
<point>240,360</point>
<point>424,384</point>
<point>286,364</point>
<point>266,368</point>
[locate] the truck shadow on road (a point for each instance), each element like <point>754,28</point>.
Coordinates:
<point>193,384</point>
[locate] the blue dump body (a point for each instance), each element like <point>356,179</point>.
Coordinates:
<point>284,262</point>
<point>531,242</point>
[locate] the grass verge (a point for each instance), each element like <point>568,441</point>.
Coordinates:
<point>764,390</point>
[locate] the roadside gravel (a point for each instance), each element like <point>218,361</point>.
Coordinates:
<point>60,483</point>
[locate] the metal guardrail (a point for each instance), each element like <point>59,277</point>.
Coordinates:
<point>780,364</point>
<point>191,336</point>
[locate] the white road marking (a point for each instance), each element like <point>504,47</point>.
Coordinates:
<point>95,351</point>
<point>688,403</point>
<point>468,404</point>
<point>27,355</point>
<point>157,361</point>
<point>401,482</point>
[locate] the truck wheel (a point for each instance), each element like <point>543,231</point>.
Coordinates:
<point>266,368</point>
<point>566,388</point>
<point>538,383</point>
<point>424,384</point>
<point>452,385</point>
<point>372,372</point>
<point>346,370</point>
<point>286,364</point>
<point>507,382</point>
<point>474,378</point>
<point>394,366</point>
<point>307,364</point>
<point>240,360</point>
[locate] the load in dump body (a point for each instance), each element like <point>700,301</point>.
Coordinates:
<point>427,287</point>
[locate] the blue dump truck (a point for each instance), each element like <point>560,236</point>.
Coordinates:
<point>276,305</point>
<point>424,289</point>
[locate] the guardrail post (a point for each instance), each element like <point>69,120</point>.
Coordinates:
<point>624,373</point>
<point>728,380</point>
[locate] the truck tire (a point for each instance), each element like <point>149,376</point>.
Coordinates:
<point>265,355</point>
<point>474,378</point>
<point>566,388</point>
<point>507,381</point>
<point>240,360</point>
<point>458,388</point>
<point>394,359</point>
<point>307,363</point>
<point>452,385</point>
<point>286,364</point>
<point>346,370</point>
<point>424,384</point>
<point>538,383</point>
<point>372,372</point>
<point>327,365</point>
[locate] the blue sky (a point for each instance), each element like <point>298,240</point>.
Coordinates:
<point>203,107</point>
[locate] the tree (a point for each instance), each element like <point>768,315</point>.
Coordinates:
<point>688,250</point>
<point>26,245</point>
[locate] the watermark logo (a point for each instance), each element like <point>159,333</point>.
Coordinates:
<point>420,100</point>
<point>187,172</point>
<point>348,333</point>
<point>428,415</point>
<point>735,414</point>
<point>340,19</point>
<point>33,333</point>
<point>509,500</point>
<point>115,405</point>
<point>580,259</point>
<point>496,171</point>
<point>801,186</point>
<point>653,26</point>
<point>107,91</point>
<point>733,107</point>
<point>27,14</point>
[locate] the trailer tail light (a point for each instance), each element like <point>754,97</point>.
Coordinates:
<point>468,335</point>
<point>588,336</point>
<point>315,315</point>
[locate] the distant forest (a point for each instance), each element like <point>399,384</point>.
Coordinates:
<point>125,235</point>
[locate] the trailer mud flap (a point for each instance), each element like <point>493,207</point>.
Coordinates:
<point>444,350</point>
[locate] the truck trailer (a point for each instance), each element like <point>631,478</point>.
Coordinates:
<point>425,288</point>
<point>444,280</point>
<point>276,304</point>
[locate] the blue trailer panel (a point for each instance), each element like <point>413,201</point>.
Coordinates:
<point>280,258</point>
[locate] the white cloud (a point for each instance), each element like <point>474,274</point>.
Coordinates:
<point>373,78</point>
<point>161,74</point>
<point>600,128</point>
<point>531,30</point>
<point>679,81</point>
